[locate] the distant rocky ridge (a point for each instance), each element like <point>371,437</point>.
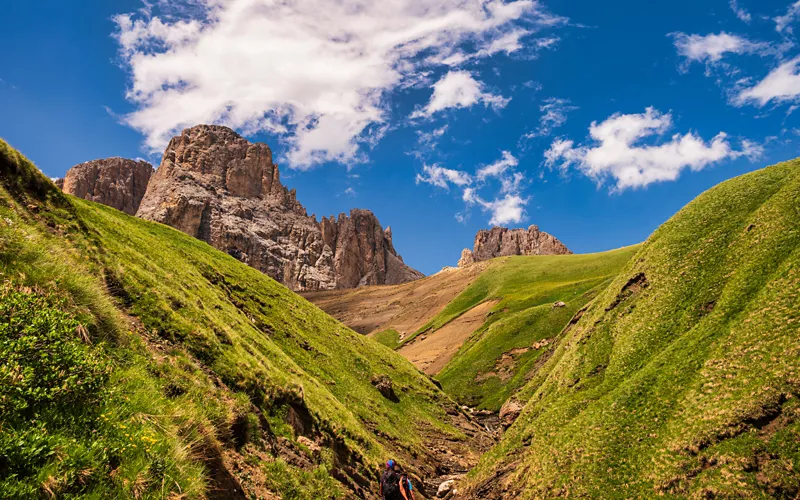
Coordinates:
<point>219,187</point>
<point>501,242</point>
<point>116,182</point>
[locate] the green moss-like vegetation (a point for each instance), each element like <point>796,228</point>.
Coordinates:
<point>682,378</point>
<point>139,357</point>
<point>390,338</point>
<point>524,324</point>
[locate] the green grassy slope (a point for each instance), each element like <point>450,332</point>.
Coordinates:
<point>682,378</point>
<point>142,363</point>
<point>498,359</point>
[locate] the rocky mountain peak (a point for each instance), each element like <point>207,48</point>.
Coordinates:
<point>501,242</point>
<point>221,188</point>
<point>117,182</point>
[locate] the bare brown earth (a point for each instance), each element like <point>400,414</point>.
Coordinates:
<point>404,308</point>
<point>430,352</point>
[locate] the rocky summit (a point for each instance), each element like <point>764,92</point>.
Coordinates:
<point>116,182</point>
<point>501,242</point>
<point>217,186</point>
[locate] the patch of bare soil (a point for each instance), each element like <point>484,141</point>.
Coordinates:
<point>405,307</point>
<point>632,287</point>
<point>432,351</point>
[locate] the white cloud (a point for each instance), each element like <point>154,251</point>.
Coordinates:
<point>499,168</point>
<point>712,48</point>
<point>458,89</point>
<point>554,115</point>
<point>782,84</point>
<point>510,209</point>
<point>740,11</point>
<point>752,150</point>
<point>512,183</point>
<point>508,43</point>
<point>616,152</point>
<point>315,71</point>
<point>505,208</point>
<point>443,177</point>
<point>782,23</point>
<point>427,142</point>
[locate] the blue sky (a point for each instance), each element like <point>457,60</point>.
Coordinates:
<point>441,117</point>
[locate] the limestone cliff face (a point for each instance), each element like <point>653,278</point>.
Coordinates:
<point>116,182</point>
<point>501,241</point>
<point>217,186</point>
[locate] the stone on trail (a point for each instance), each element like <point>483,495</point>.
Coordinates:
<point>445,488</point>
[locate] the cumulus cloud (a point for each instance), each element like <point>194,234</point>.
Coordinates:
<point>554,114</point>
<point>740,12</point>
<point>711,48</point>
<point>505,207</point>
<point>458,89</point>
<point>782,84</point>
<point>510,209</point>
<point>783,23</point>
<point>314,71</point>
<point>616,151</point>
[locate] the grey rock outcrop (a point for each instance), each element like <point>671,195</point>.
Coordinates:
<point>117,182</point>
<point>501,242</point>
<point>218,187</point>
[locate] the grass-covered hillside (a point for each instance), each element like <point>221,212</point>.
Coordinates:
<point>523,324</point>
<point>682,378</point>
<point>481,330</point>
<point>139,362</point>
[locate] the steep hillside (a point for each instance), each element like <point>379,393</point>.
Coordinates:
<point>140,362</point>
<point>480,330</point>
<point>532,299</point>
<point>682,378</point>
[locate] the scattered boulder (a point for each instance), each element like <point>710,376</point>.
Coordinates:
<point>559,304</point>
<point>445,488</point>
<point>509,412</point>
<point>501,242</point>
<point>384,385</point>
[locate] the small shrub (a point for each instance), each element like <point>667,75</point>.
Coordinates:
<point>46,367</point>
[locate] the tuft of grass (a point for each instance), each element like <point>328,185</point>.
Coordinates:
<point>682,377</point>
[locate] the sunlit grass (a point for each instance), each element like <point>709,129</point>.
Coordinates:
<point>682,378</point>
<point>194,342</point>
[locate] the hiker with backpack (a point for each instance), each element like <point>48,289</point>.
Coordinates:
<point>405,484</point>
<point>395,484</point>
